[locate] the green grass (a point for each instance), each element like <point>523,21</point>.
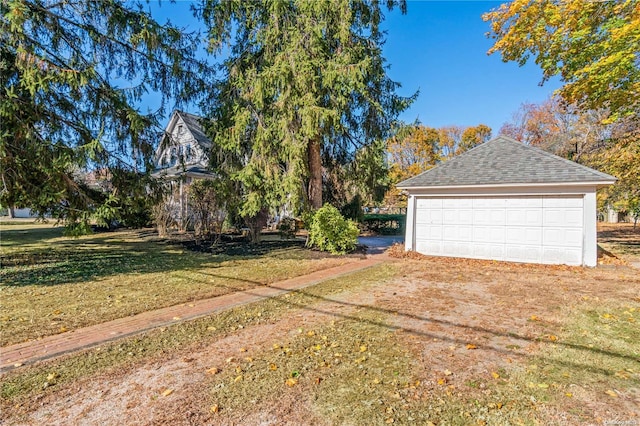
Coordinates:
<point>595,360</point>
<point>22,384</point>
<point>51,284</point>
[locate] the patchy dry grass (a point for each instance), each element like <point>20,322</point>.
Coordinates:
<point>22,384</point>
<point>416,341</point>
<point>621,238</point>
<point>51,284</point>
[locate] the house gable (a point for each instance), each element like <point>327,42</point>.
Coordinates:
<point>183,144</point>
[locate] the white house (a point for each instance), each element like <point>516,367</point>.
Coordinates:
<point>507,201</point>
<point>181,157</point>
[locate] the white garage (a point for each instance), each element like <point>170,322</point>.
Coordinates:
<point>505,201</point>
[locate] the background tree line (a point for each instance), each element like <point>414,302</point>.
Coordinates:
<point>296,95</point>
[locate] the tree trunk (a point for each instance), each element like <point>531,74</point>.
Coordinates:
<point>315,174</point>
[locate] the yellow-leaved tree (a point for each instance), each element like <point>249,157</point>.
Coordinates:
<point>594,47</point>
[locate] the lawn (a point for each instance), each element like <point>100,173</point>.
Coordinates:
<point>413,341</point>
<point>52,284</point>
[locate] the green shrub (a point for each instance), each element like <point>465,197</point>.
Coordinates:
<point>330,231</point>
<point>384,224</point>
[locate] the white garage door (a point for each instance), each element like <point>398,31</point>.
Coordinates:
<point>536,229</point>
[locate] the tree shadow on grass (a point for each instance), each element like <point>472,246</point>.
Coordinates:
<point>31,258</point>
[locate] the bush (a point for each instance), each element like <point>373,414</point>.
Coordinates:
<point>330,231</point>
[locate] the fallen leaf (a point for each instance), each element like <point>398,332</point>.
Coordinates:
<point>291,382</point>
<point>568,394</point>
<point>442,381</point>
<point>552,337</point>
<point>471,346</point>
<point>273,367</point>
<point>611,393</point>
<point>213,370</point>
<point>534,318</point>
<point>17,364</point>
<point>215,408</point>
<point>167,392</point>
<point>243,349</point>
<point>237,379</point>
<point>176,318</point>
<point>495,375</point>
<point>447,373</point>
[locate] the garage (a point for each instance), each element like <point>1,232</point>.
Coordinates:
<point>505,201</point>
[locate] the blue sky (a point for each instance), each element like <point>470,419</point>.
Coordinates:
<point>439,48</point>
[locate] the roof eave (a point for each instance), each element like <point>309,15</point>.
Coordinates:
<point>597,184</point>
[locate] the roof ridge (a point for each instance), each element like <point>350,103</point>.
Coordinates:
<point>504,160</point>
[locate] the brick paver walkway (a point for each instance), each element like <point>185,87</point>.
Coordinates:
<point>52,346</point>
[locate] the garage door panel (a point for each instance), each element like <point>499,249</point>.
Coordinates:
<point>526,202</point>
<point>456,233</point>
<point>429,232</point>
<point>573,217</point>
<point>562,217</point>
<point>562,202</point>
<point>488,234</point>
<point>428,203</point>
<point>457,203</point>
<point>488,251</point>
<point>562,237</point>
<point>481,217</point>
<point>497,216</point>
<point>523,253</point>
<point>524,235</point>
<point>429,247</point>
<point>451,248</point>
<point>488,203</point>
<point>555,255</point>
<point>431,216</point>
<point>522,216</point>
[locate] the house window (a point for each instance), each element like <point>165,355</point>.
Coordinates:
<point>187,152</point>
<point>180,129</point>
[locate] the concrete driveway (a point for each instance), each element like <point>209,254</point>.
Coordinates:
<point>378,244</point>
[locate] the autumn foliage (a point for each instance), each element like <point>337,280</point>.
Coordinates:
<point>416,148</point>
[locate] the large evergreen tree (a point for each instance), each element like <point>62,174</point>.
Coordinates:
<point>303,80</point>
<point>72,73</point>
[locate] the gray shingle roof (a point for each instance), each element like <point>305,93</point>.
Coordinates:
<point>505,161</point>
<point>195,127</point>
<point>181,170</point>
